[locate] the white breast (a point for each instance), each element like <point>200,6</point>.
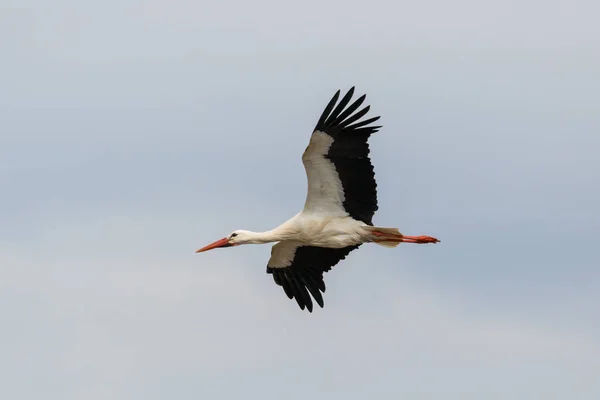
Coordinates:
<point>334,232</point>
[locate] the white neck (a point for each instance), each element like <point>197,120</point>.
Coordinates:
<point>263,237</point>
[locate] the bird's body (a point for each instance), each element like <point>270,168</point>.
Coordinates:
<point>338,211</point>
<point>316,230</point>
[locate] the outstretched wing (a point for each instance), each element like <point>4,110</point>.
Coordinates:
<point>299,269</point>
<point>341,179</point>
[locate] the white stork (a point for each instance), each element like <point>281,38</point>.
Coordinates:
<point>338,212</point>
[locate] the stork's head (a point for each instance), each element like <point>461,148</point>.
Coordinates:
<point>233,239</point>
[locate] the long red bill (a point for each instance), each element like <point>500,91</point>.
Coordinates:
<point>219,243</point>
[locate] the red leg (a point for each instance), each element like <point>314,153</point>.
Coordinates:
<point>405,239</point>
<point>419,239</point>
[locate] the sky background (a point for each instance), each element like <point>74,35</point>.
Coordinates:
<point>133,133</point>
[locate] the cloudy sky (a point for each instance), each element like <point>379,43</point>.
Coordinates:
<point>133,133</point>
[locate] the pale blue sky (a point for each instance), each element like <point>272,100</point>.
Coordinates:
<point>132,133</point>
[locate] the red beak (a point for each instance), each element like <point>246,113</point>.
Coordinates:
<point>219,243</point>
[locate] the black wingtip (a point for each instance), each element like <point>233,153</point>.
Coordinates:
<point>327,110</point>
<point>334,116</point>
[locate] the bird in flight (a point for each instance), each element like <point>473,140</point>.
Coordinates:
<point>338,212</point>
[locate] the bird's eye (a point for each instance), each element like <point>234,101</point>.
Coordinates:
<point>233,235</point>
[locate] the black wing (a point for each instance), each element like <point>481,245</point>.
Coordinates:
<point>299,269</point>
<point>349,154</point>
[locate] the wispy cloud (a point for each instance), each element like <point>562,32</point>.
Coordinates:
<point>108,304</point>
<point>131,134</point>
